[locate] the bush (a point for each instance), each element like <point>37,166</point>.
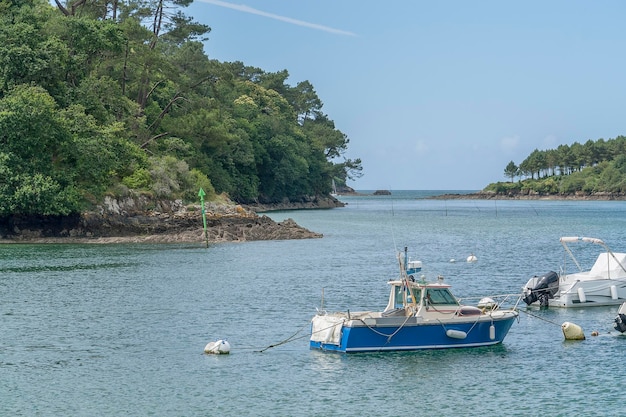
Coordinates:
<point>195,181</point>
<point>139,180</point>
<point>504,187</point>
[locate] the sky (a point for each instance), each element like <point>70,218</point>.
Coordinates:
<point>439,95</point>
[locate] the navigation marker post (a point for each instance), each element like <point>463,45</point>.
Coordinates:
<point>201,194</point>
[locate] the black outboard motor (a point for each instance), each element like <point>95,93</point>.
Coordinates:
<point>620,320</point>
<point>620,323</point>
<point>547,285</point>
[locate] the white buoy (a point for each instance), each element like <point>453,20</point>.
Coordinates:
<point>581,295</point>
<point>492,332</point>
<point>572,331</point>
<point>472,258</point>
<point>452,260</point>
<point>219,347</point>
<point>614,292</point>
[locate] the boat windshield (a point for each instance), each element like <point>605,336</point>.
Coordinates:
<point>410,293</point>
<point>440,296</point>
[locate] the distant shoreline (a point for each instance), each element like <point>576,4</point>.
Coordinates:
<point>484,195</point>
<point>553,197</point>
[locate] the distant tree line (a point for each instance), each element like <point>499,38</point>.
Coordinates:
<point>593,167</point>
<point>105,97</point>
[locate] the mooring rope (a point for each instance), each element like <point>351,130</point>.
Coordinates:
<point>540,318</point>
<point>291,338</point>
<point>388,336</point>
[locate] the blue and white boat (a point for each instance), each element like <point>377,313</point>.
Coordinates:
<point>419,315</point>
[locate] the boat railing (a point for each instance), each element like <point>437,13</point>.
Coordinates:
<point>494,302</point>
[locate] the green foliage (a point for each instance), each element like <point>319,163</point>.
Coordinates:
<point>97,100</point>
<point>39,194</point>
<point>548,186</point>
<point>197,180</point>
<point>592,167</point>
<point>504,188</point>
<point>138,180</point>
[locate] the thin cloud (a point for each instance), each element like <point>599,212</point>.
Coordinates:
<point>509,144</point>
<point>246,9</point>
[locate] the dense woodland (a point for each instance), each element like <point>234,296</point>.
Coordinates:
<point>109,97</point>
<point>590,168</point>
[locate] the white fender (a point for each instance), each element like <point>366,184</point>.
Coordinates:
<point>456,334</point>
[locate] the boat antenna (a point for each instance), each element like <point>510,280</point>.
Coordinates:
<point>393,232</point>
<point>406,258</point>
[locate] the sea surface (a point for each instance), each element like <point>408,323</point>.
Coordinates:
<point>119,330</point>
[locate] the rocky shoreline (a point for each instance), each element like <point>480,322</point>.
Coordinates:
<point>305,204</point>
<point>141,220</point>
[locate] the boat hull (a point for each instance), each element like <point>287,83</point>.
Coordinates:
<point>402,334</point>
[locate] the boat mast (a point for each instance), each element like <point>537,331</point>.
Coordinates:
<point>405,279</point>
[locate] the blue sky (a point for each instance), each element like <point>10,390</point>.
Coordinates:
<point>439,95</point>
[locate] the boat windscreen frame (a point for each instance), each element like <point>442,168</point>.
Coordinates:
<point>403,296</point>
<point>440,296</point>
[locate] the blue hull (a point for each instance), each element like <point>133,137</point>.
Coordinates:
<point>417,336</point>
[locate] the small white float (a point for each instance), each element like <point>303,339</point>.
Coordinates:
<point>572,331</point>
<point>219,347</point>
<point>472,258</point>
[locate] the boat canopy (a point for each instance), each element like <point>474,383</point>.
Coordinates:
<point>571,239</point>
<point>607,266</point>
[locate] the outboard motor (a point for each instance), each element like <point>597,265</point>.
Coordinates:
<point>620,320</point>
<point>547,285</point>
<point>620,323</point>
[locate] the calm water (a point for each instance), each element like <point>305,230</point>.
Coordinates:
<point>114,330</point>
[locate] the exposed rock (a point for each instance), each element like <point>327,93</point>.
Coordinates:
<point>382,192</point>
<point>345,190</point>
<point>315,202</point>
<point>130,220</point>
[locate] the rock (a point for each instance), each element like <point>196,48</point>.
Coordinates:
<point>315,202</point>
<point>382,192</point>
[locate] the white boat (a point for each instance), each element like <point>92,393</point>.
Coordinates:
<point>604,284</point>
<point>419,315</point>
<point>334,191</point>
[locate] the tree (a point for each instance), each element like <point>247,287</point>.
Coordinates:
<point>27,54</point>
<point>33,137</point>
<point>511,170</point>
